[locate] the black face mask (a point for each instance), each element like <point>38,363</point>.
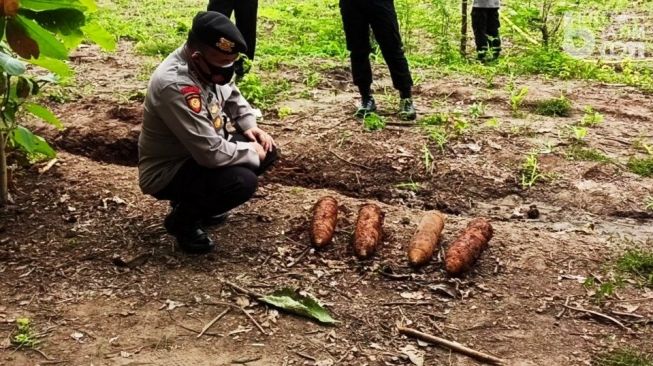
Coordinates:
<point>227,72</point>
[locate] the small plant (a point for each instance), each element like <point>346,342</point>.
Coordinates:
<point>643,167</point>
<point>623,357</point>
<point>461,126</point>
<point>586,154</point>
<point>373,122</point>
<point>557,107</point>
<point>284,112</point>
<point>516,96</point>
<point>638,262</point>
<point>438,119</point>
<point>648,203</point>
<point>643,147</point>
<point>24,336</point>
<point>600,290</point>
<point>313,79</point>
<point>438,135</point>
<point>428,159</point>
<point>530,172</point>
<point>259,94</point>
<point>493,123</point>
<point>591,118</point>
<point>477,110</point>
<point>578,133</point>
<point>409,186</point>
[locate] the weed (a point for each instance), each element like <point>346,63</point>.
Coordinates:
<point>437,119</point>
<point>461,126</point>
<point>577,133</point>
<point>586,154</point>
<point>530,172</point>
<point>24,336</point>
<point>438,135</point>
<point>623,357</point>
<point>261,95</point>
<point>285,112</point>
<point>428,160</point>
<point>648,203</point>
<point>313,79</point>
<point>517,97</point>
<point>638,262</point>
<point>373,122</point>
<point>591,118</point>
<point>643,167</point>
<point>493,123</point>
<point>409,186</point>
<point>477,110</point>
<point>600,290</point>
<point>557,107</point>
<point>643,147</point>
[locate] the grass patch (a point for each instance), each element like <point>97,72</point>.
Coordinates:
<point>373,122</point>
<point>586,154</point>
<point>638,262</point>
<point>262,95</point>
<point>643,167</point>
<point>623,357</point>
<point>530,172</point>
<point>556,107</point>
<point>24,336</point>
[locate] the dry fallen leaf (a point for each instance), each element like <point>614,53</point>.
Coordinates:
<point>417,295</point>
<point>414,355</point>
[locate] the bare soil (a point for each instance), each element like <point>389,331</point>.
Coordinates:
<point>59,241</point>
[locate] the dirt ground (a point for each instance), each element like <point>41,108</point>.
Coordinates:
<point>59,241</point>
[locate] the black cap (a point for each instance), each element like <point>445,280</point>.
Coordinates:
<point>217,31</point>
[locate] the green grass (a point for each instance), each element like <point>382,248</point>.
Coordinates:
<point>591,118</point>
<point>24,336</point>
<point>556,107</point>
<point>586,154</point>
<point>623,357</point>
<point>530,172</point>
<point>643,167</point>
<point>373,122</point>
<point>638,262</point>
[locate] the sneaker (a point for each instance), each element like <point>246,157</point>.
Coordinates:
<point>190,236</point>
<point>368,105</point>
<point>407,110</point>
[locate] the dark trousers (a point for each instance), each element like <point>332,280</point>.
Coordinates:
<point>245,13</point>
<point>199,192</point>
<point>357,17</point>
<point>486,24</point>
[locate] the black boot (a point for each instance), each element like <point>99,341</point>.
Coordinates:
<point>212,220</point>
<point>407,110</point>
<point>186,228</point>
<point>368,105</point>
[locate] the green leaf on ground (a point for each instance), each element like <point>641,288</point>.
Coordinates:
<point>290,300</point>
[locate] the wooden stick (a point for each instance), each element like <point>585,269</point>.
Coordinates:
<point>600,315</point>
<point>251,293</point>
<point>241,309</point>
<point>210,324</point>
<point>299,258</point>
<point>454,346</point>
<point>349,162</point>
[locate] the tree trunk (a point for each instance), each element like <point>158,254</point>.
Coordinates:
<point>463,30</point>
<point>4,187</point>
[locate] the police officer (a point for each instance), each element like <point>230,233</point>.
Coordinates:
<point>186,153</point>
<point>357,17</point>
<point>485,23</point>
<point>245,13</point>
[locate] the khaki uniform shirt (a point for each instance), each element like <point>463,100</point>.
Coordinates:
<point>184,119</point>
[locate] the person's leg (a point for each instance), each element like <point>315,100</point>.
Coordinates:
<point>492,30</point>
<point>479,25</point>
<point>386,31</point>
<point>357,36</point>
<point>224,7</point>
<point>199,193</point>
<point>246,12</point>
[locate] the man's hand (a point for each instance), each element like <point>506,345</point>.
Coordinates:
<point>259,150</point>
<point>258,135</point>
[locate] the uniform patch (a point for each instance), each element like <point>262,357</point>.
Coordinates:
<point>225,45</point>
<point>217,122</point>
<point>193,99</point>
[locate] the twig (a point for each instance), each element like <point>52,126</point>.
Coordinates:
<point>343,357</point>
<point>42,354</point>
<point>561,313</point>
<point>246,360</point>
<point>191,329</point>
<point>241,309</point>
<point>210,324</point>
<point>304,355</point>
<point>454,346</point>
<point>251,293</point>
<point>395,303</point>
<point>349,162</point>
<point>627,314</point>
<point>600,315</point>
<point>302,255</point>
